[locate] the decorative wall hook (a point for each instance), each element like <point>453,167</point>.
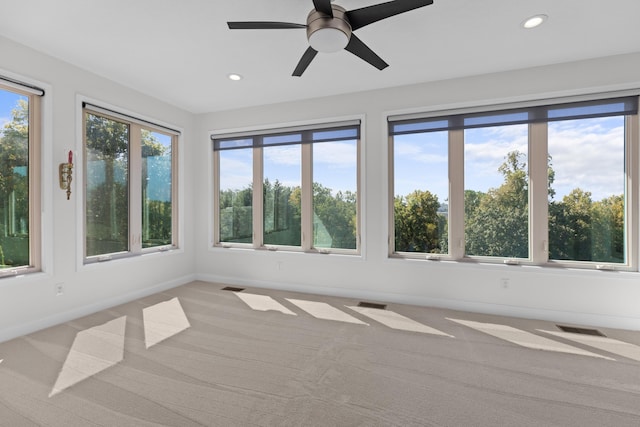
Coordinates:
<point>65,171</point>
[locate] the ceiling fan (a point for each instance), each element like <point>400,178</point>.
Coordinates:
<point>330,28</point>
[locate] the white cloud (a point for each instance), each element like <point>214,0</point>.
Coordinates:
<point>288,155</point>
<point>235,171</point>
<point>427,153</point>
<point>336,154</point>
<point>589,156</point>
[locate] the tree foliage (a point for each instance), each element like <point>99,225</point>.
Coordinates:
<point>417,222</point>
<point>334,216</point>
<point>14,187</point>
<point>497,221</point>
<point>107,213</point>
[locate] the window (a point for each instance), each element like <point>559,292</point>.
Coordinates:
<point>496,197</point>
<point>19,177</point>
<point>130,188</point>
<point>588,204</point>
<point>304,181</point>
<point>546,184</point>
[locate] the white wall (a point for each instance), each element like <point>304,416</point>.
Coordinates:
<point>29,303</point>
<point>584,297</point>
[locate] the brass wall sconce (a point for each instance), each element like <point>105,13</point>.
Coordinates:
<point>65,171</point>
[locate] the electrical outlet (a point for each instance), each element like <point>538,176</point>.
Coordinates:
<point>504,282</point>
<point>59,289</point>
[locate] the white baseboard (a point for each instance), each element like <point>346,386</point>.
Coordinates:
<point>557,316</point>
<point>75,313</point>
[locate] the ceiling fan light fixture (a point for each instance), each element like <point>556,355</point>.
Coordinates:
<point>328,40</point>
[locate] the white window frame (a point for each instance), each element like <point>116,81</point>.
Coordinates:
<point>306,219</point>
<point>34,94</point>
<point>136,125</point>
<point>538,197</point>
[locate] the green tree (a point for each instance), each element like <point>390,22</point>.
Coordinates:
<point>107,144</point>
<point>570,227</point>
<point>14,187</point>
<point>236,215</point>
<point>335,214</point>
<point>497,222</point>
<point>418,227</point>
<point>156,213</point>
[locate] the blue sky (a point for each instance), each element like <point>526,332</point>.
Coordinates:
<point>586,153</point>
<point>8,101</point>
<point>334,166</point>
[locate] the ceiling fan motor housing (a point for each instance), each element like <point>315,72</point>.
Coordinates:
<point>326,33</point>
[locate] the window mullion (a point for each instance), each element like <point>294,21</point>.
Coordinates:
<point>456,194</point>
<point>306,220</point>
<point>257,197</point>
<point>135,189</point>
<point>632,228</point>
<point>538,193</point>
<point>35,173</point>
<point>216,197</point>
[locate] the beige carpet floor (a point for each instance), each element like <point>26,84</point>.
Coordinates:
<point>198,355</point>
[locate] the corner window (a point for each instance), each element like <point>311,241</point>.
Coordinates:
<point>20,188</point>
<point>292,188</point>
<point>130,190</point>
<point>547,184</point>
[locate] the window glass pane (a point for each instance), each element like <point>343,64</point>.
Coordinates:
<point>233,143</point>
<point>488,119</point>
<point>281,190</point>
<point>608,108</point>
<point>496,191</point>
<point>156,189</point>
<point>421,189</point>
<point>587,187</point>
<point>413,127</point>
<point>107,209</point>
<point>235,199</point>
<point>335,134</point>
<point>282,139</point>
<point>335,183</point>
<point>14,180</point>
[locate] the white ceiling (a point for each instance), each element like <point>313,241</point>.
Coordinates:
<point>181,51</point>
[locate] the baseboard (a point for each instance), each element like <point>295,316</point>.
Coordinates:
<point>564,317</point>
<point>66,316</point>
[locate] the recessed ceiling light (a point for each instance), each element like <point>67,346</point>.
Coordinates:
<point>534,21</point>
<point>235,77</point>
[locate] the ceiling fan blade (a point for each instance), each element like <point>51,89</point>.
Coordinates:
<point>358,18</point>
<point>262,25</point>
<point>323,6</point>
<point>306,59</point>
<point>361,50</point>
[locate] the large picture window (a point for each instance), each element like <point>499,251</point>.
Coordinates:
<point>542,184</point>
<point>130,188</point>
<point>19,178</point>
<point>293,188</point>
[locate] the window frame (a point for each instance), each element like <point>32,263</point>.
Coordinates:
<point>136,126</point>
<point>538,185</point>
<point>306,160</point>
<point>35,125</point>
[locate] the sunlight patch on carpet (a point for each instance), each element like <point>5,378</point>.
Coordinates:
<point>321,310</point>
<point>93,350</point>
<point>263,303</point>
<point>162,321</point>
